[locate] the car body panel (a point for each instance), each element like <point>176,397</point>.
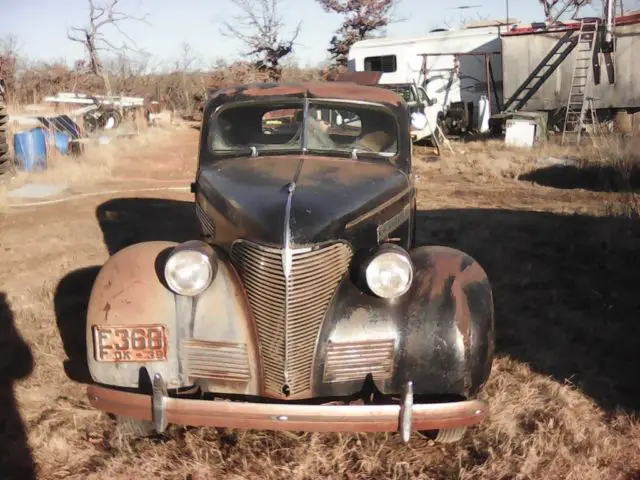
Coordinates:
<point>246,197</point>
<point>289,318</point>
<point>439,334</point>
<point>129,292</point>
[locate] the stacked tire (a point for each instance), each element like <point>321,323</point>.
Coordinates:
<point>6,166</point>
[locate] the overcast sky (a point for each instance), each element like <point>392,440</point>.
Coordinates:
<point>41,25</point>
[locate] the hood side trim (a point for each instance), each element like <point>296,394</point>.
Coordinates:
<point>379,208</point>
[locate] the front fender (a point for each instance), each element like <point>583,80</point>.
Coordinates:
<point>449,338</point>
<point>128,292</point>
<point>210,339</point>
<point>438,335</point>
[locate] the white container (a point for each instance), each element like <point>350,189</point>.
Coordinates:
<point>483,114</point>
<point>520,133</point>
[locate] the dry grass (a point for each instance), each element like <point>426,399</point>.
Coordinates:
<point>564,391</point>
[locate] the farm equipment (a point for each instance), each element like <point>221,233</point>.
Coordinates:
<point>99,112</point>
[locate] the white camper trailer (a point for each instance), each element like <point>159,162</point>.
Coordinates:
<point>460,69</point>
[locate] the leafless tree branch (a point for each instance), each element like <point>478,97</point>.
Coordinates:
<point>554,9</point>
<point>361,19</point>
<point>93,38</point>
<point>259,27</point>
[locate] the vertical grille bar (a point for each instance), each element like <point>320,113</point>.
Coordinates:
<point>315,275</point>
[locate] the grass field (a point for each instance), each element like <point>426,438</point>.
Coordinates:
<point>560,246</point>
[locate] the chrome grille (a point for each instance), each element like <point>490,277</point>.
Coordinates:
<point>207,225</point>
<point>225,361</point>
<point>347,361</point>
<point>289,314</point>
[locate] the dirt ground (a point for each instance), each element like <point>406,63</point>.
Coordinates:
<point>564,391</point>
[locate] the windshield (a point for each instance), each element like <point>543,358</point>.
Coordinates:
<point>257,128</point>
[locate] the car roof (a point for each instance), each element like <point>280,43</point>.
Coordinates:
<point>340,90</point>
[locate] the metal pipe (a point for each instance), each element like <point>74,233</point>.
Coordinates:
<point>609,21</point>
<point>488,78</point>
<point>507,21</point>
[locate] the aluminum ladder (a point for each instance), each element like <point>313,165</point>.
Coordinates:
<point>440,139</point>
<point>581,79</point>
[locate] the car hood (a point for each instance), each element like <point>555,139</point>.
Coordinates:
<point>328,192</point>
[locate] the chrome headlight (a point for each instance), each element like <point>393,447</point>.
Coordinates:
<point>190,268</point>
<point>390,272</point>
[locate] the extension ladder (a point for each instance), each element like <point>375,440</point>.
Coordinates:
<point>580,80</point>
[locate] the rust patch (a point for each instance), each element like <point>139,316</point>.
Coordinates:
<point>106,310</point>
<point>353,91</point>
<point>276,90</point>
<point>136,293</point>
<point>448,268</point>
<point>362,78</point>
<point>338,90</point>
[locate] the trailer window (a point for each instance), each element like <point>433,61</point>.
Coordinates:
<point>386,63</point>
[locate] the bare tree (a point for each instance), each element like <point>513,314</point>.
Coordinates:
<point>9,61</point>
<point>361,18</point>
<point>92,36</point>
<point>186,65</point>
<point>554,9</point>
<point>259,26</point>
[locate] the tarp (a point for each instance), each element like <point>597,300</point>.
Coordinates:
<point>61,123</point>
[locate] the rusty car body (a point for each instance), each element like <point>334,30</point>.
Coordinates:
<point>305,304</point>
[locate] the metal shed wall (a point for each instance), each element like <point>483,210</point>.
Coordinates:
<point>523,52</point>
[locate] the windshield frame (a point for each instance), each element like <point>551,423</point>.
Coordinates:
<point>304,103</point>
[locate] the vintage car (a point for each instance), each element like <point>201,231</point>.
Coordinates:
<point>305,304</point>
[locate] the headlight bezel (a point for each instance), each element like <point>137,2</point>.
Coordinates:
<point>204,252</point>
<point>404,259</point>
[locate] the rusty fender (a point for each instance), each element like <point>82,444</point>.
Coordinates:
<point>449,341</point>
<point>438,335</point>
<point>130,295</point>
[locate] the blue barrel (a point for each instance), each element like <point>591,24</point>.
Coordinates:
<point>30,150</point>
<point>62,142</point>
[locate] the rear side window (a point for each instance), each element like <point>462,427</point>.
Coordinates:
<point>386,63</point>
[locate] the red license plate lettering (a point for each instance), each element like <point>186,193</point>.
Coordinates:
<point>130,343</point>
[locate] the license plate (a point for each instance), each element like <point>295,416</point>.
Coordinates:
<point>130,343</point>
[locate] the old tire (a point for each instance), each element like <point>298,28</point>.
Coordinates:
<point>132,427</point>
<point>6,165</point>
<point>110,119</point>
<point>450,435</point>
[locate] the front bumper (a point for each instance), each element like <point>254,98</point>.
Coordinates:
<point>405,417</point>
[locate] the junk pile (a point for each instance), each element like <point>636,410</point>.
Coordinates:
<point>98,114</point>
